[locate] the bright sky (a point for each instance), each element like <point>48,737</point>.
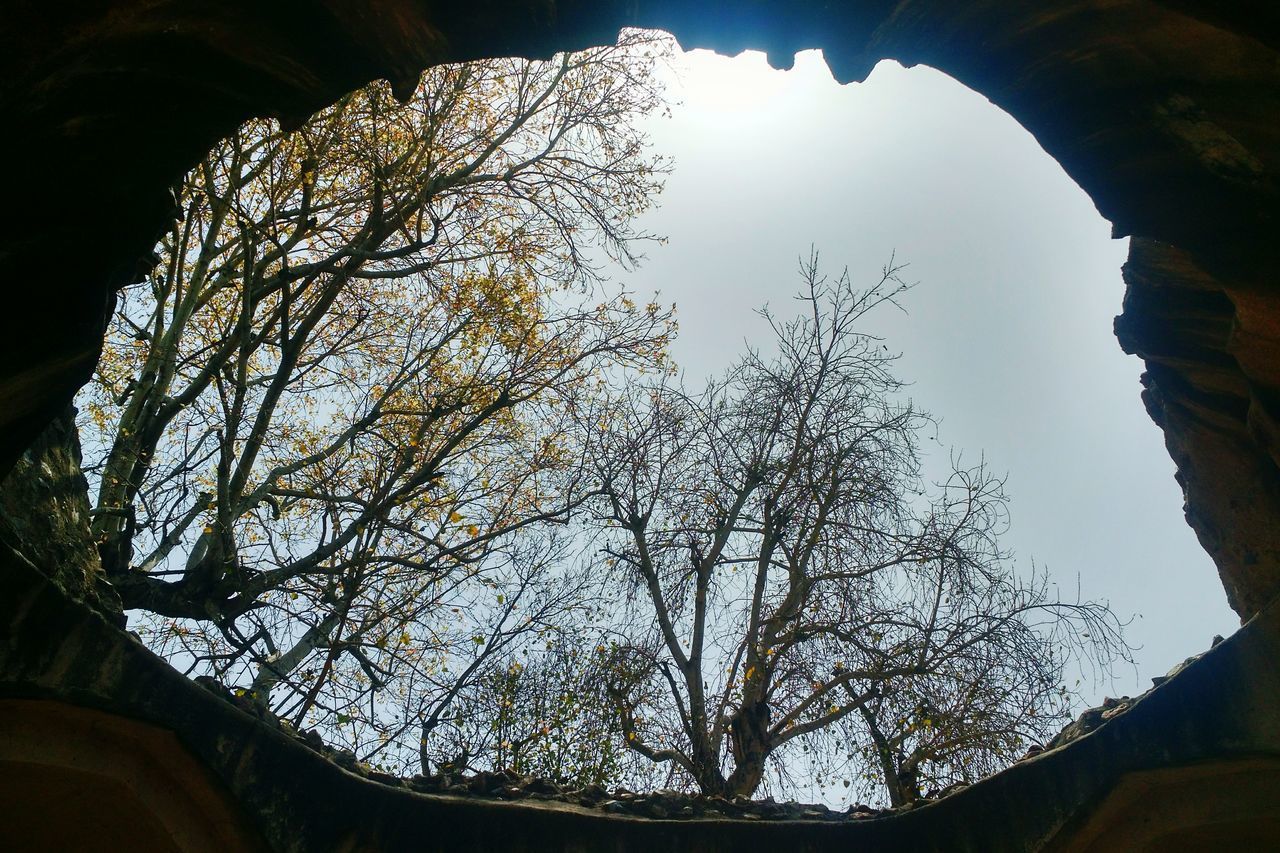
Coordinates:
<point>1008,338</point>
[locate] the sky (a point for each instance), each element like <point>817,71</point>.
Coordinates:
<point>1007,336</point>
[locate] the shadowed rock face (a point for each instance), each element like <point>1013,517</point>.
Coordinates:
<point>44,517</point>
<point>1164,112</point>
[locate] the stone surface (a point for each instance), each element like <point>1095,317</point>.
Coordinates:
<point>73,779</point>
<point>44,516</point>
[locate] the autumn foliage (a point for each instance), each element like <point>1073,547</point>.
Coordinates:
<point>320,424</point>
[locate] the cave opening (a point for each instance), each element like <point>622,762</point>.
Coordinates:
<point>1161,111</point>
<point>1005,338</point>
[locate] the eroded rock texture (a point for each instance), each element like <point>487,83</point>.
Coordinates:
<point>44,516</point>
<point>1165,111</point>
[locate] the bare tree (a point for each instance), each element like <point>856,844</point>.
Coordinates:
<point>795,588</point>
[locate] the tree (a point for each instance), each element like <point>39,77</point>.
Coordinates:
<point>544,712</point>
<point>794,587</point>
<point>319,426</point>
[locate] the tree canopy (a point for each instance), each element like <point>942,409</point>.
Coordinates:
<point>320,424</point>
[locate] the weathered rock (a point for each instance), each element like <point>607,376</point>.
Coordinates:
<point>44,516</point>
<point>614,807</point>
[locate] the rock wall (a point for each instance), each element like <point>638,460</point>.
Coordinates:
<point>44,517</point>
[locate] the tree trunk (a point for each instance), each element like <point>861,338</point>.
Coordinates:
<point>892,782</point>
<point>749,741</point>
<point>901,782</point>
